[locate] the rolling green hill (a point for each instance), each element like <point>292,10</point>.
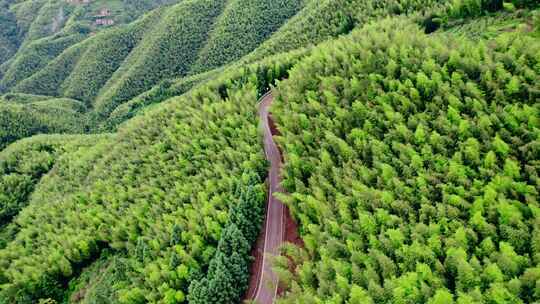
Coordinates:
<point>409,128</point>
<point>36,31</point>
<point>49,79</point>
<point>103,57</point>
<point>35,56</point>
<point>109,69</point>
<point>19,120</point>
<point>81,70</point>
<point>242,27</point>
<point>8,32</point>
<point>167,51</point>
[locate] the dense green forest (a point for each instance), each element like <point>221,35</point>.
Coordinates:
<point>412,165</point>
<point>8,32</point>
<point>243,25</point>
<point>23,118</point>
<point>41,29</point>
<point>111,69</point>
<point>190,154</point>
<point>23,164</point>
<point>132,167</point>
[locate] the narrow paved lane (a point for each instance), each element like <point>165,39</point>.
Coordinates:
<point>274,226</point>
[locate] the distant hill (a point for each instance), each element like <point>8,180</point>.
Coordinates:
<point>107,66</point>
<point>40,30</point>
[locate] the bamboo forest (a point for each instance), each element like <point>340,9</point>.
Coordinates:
<point>269,151</point>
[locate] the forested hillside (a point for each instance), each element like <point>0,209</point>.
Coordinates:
<point>412,165</point>
<point>160,193</point>
<point>27,21</point>
<point>24,163</point>
<point>8,32</point>
<point>242,27</point>
<point>167,51</point>
<point>410,132</point>
<point>22,117</point>
<point>106,68</point>
<point>80,71</point>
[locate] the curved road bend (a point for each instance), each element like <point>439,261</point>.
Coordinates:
<point>267,284</point>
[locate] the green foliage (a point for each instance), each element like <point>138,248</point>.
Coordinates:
<point>317,21</point>
<point>95,70</point>
<point>98,282</point>
<point>493,25</point>
<point>21,165</point>
<point>167,51</point>
<point>412,167</point>
<point>7,234</point>
<point>52,116</point>
<point>50,18</point>
<point>161,191</point>
<point>459,11</point>
<point>49,79</point>
<point>25,14</point>
<point>80,71</point>
<point>42,100</point>
<point>242,27</point>
<point>115,66</point>
<point>44,18</point>
<point>322,20</point>
<point>35,56</point>
<point>8,32</point>
<point>103,57</point>
<point>159,93</point>
<point>470,8</point>
<point>411,160</point>
<point>23,98</point>
<point>40,30</point>
<point>118,60</point>
<point>227,278</point>
<point>24,163</point>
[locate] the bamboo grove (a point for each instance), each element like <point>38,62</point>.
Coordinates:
<point>411,164</point>
<point>158,193</point>
<point>409,131</point>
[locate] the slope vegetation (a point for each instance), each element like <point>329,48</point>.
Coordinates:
<point>167,51</point>
<point>23,164</point>
<point>116,65</point>
<point>103,57</point>
<point>112,70</point>
<point>410,159</point>
<point>37,31</point>
<point>323,20</point>
<point>36,56</point>
<point>242,27</point>
<point>80,71</point>
<point>161,193</point>
<point>163,91</point>
<point>412,168</point>
<point>8,32</point>
<point>48,116</point>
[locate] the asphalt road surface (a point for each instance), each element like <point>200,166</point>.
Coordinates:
<point>267,281</point>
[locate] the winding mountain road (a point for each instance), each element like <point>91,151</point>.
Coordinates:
<point>274,230</point>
